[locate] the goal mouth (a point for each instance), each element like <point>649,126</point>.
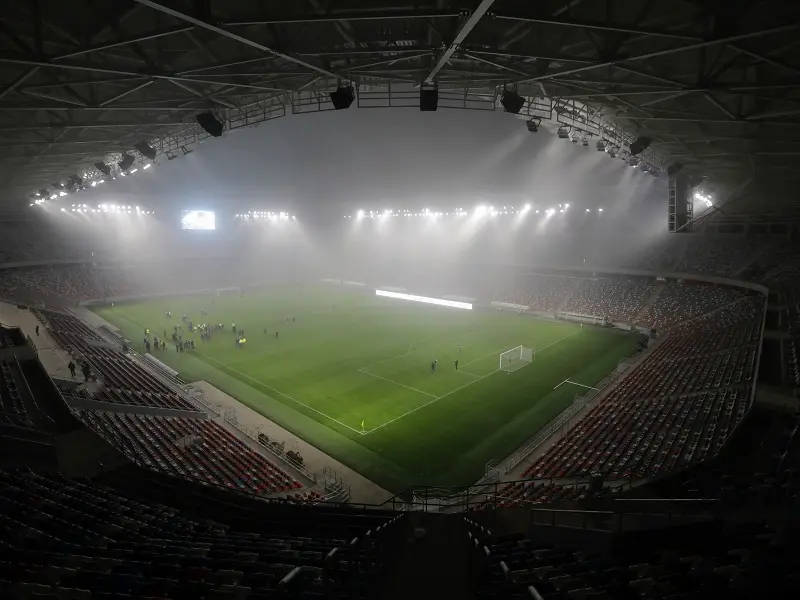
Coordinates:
<point>516,358</point>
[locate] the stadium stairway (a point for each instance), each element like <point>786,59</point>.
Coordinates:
<point>432,563</point>
<point>657,289</point>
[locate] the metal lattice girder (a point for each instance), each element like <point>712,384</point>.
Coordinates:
<point>714,87</point>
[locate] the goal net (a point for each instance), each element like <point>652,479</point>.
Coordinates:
<point>231,291</point>
<point>516,358</point>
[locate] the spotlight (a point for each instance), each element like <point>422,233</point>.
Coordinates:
<point>94,183</point>
<point>512,102</point>
<point>126,162</point>
<point>633,162</point>
<point>146,150</point>
<point>133,171</point>
<point>147,166</point>
<point>563,133</point>
<point>601,145</point>
<point>533,125</point>
<point>599,210</point>
<point>360,214</point>
<point>640,145</point>
<point>585,140</point>
<point>210,124</point>
<point>428,99</point>
<point>587,210</point>
<point>343,97</point>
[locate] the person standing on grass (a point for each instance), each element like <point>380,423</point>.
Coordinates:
<point>456,364</point>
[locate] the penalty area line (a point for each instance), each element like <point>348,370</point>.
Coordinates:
<point>567,380</point>
<point>280,393</point>
<point>435,399</point>
<point>408,387</point>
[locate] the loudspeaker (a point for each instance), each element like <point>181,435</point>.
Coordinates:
<point>103,168</point>
<point>640,145</point>
<point>210,124</point>
<point>343,97</point>
<point>145,150</point>
<point>512,102</point>
<point>428,99</point>
<point>674,168</point>
<point>125,162</point>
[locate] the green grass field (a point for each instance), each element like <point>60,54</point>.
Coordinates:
<point>353,358</point>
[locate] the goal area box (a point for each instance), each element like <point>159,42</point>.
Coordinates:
<point>516,358</point>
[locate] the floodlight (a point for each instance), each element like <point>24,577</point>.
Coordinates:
<point>587,210</point>
<point>585,140</point>
<point>209,122</point>
<point>480,210</point>
<point>563,132</point>
<point>54,196</point>
<point>343,97</point>
<point>566,205</point>
<point>640,145</point>
<point>62,193</point>
<point>601,145</point>
<point>126,162</point>
<point>512,102</point>
<point>360,214</point>
<point>94,183</point>
<point>146,150</point>
<point>133,171</point>
<point>147,166</point>
<point>599,210</point>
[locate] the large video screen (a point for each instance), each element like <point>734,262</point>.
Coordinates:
<point>198,219</point>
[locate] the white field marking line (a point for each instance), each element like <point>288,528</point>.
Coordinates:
<point>462,387</point>
<point>319,412</point>
<point>418,348</point>
<point>487,355</point>
<point>408,387</point>
<point>287,396</point>
<point>560,384</point>
<point>580,384</point>
<point>413,410</point>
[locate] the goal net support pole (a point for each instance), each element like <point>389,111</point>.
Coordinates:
<point>516,358</point>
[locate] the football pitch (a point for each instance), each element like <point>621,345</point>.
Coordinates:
<point>350,373</point>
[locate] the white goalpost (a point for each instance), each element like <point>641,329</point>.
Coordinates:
<point>516,358</point>
<point>230,291</point>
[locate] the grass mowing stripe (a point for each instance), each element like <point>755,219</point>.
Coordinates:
<point>320,394</point>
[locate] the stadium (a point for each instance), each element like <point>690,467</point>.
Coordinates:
<point>482,299</point>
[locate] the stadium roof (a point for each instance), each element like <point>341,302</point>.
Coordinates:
<point>714,83</point>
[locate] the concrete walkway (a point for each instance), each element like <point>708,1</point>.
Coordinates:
<point>52,357</point>
<point>361,488</point>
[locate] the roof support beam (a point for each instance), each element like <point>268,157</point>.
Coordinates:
<point>219,31</point>
<point>333,17</point>
<point>125,42</point>
<point>465,30</point>
<point>667,52</point>
<point>602,27</point>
